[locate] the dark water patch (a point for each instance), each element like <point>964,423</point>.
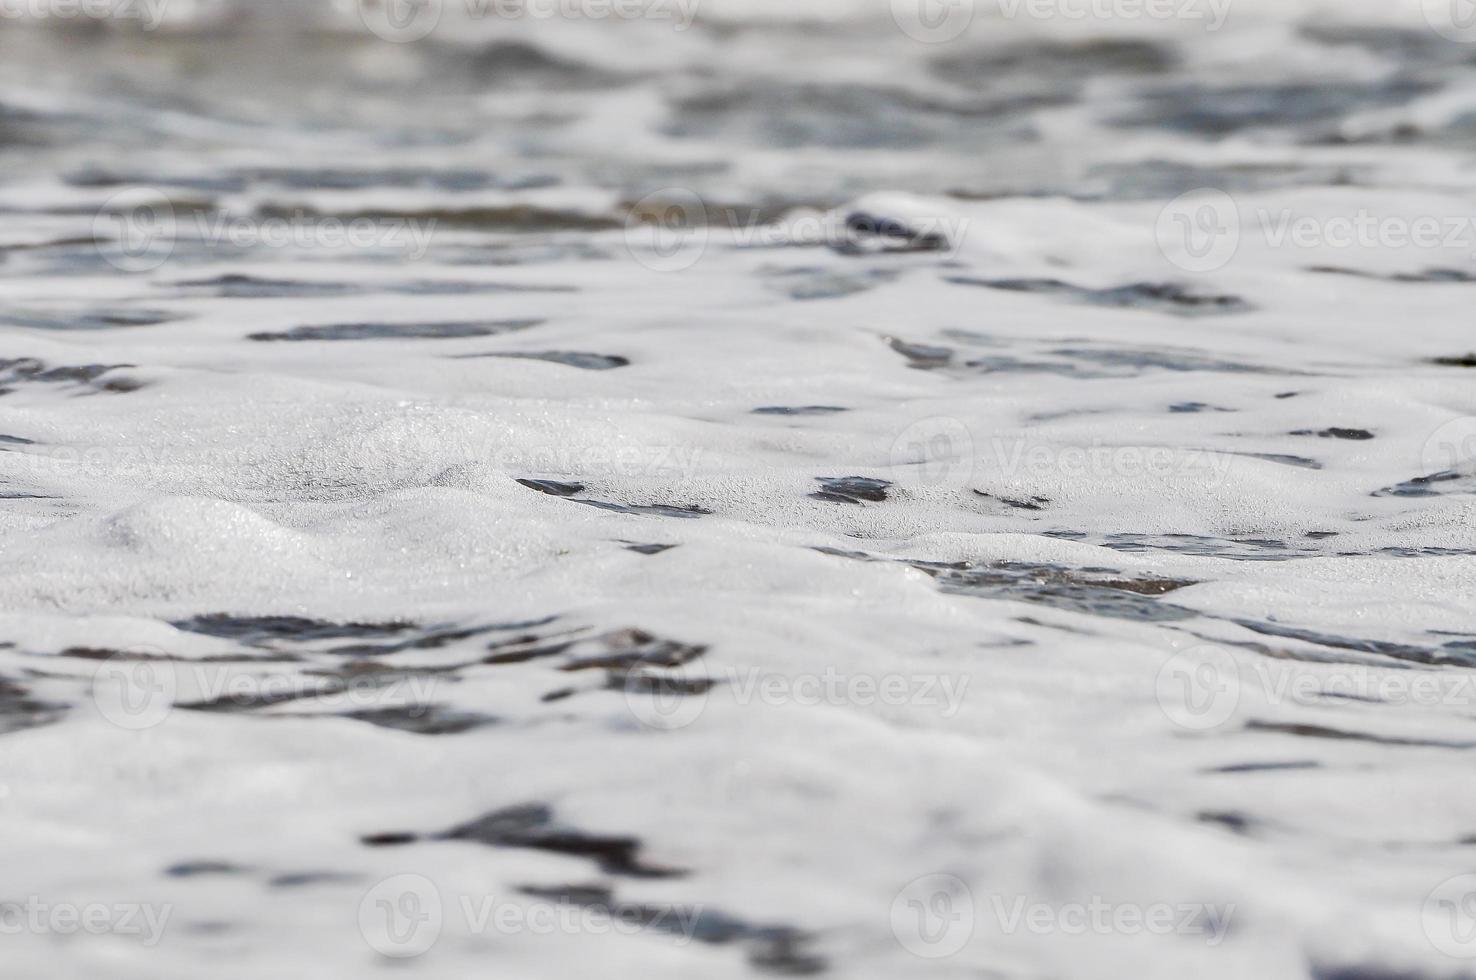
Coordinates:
<point>243,701</point>
<point>628,649</point>
<point>19,710</point>
<point>664,686</point>
<point>1314,111</point>
<point>799,410</point>
<point>1447,481</point>
<point>239,286</point>
<point>421,719</point>
<point>1425,276</point>
<point>1371,971</point>
<point>1240,549</point>
<point>1058,62</point>
<point>1069,590</point>
<point>100,177</point>
<point>649,549</point>
<point>259,630</point>
<point>1157,297</point>
<point>583,360</point>
<point>922,356</point>
<point>303,879</point>
<point>1353,435</point>
<point>1234,821</point>
<point>1033,503</point>
<point>1456,360</point>
<point>517,64</point>
<point>400,331</point>
<point>1400,651</point>
<point>1240,768</point>
<point>1401,45</point>
<point>776,949</point>
<point>1285,459</point>
<point>403,177</point>
<point>868,234</point>
<point>432,639</point>
<point>1081,363</point>
<point>816,283</point>
<point>679,511</point>
<point>203,868</point>
<point>26,370</point>
<point>851,489</point>
<point>553,487</point>
<point>786,115</point>
<point>1194,408</point>
<point>1320,535</point>
<point>15,441</point>
<point>1095,591</point>
<point>1338,734</point>
<point>135,656</point>
<point>533,826</point>
<point>515,218</point>
<point>94,320</point>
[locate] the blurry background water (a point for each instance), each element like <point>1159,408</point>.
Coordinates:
<point>505,449</point>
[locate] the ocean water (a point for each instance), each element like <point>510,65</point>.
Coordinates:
<point>843,489</point>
